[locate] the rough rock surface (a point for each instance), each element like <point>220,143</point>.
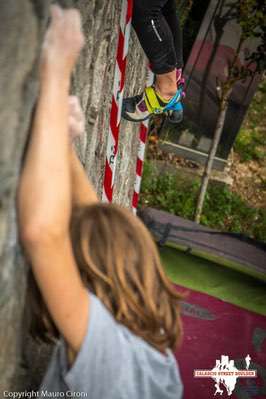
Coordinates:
<point>22,25</point>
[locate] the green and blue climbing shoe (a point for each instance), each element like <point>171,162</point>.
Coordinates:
<point>176,116</point>
<point>141,107</point>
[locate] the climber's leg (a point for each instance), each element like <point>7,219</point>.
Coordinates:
<point>154,34</point>
<point>170,14</point>
<point>160,45</point>
<point>166,84</point>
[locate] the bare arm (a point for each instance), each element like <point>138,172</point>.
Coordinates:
<point>83,192</point>
<point>44,195</point>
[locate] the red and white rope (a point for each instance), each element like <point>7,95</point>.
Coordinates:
<point>143,134</point>
<point>117,99</point>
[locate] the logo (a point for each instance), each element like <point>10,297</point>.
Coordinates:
<point>225,374</point>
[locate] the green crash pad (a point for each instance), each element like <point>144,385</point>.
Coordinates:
<point>211,278</point>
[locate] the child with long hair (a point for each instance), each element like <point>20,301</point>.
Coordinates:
<point>100,286</point>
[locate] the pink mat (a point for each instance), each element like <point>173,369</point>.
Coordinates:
<point>213,328</point>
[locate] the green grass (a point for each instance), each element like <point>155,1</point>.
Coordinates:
<point>251,145</point>
<point>223,209</point>
<point>251,141</point>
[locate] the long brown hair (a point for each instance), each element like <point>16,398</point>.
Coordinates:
<point>119,262</point>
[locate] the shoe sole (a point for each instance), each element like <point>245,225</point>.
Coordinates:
<point>126,117</point>
<point>170,120</point>
<point>174,122</point>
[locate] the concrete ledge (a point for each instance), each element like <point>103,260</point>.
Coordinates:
<point>191,154</point>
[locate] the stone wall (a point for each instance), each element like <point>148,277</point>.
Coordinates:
<point>22,25</point>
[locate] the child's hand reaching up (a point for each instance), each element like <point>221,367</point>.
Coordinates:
<point>63,41</point>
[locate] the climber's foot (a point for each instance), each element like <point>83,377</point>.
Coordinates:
<point>142,107</point>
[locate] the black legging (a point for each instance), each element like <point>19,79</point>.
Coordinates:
<point>158,29</point>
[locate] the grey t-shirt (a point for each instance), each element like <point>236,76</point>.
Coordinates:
<point>113,363</point>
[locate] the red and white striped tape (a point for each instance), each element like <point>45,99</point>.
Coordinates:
<point>143,134</point>
<point>117,99</point>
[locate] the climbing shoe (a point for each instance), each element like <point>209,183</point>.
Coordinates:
<point>134,109</point>
<point>142,107</point>
<point>176,116</point>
